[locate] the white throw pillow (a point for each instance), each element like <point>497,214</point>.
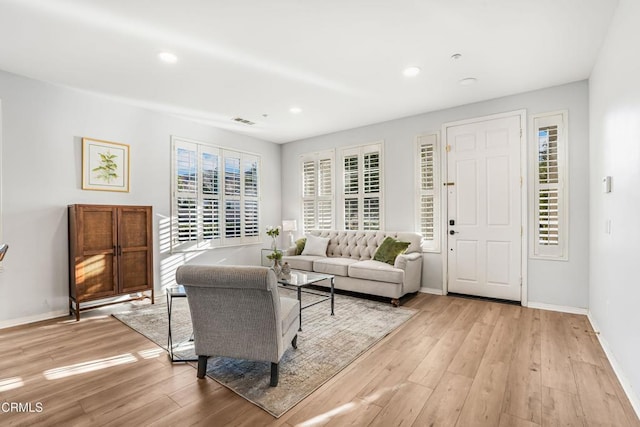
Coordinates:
<point>316,246</point>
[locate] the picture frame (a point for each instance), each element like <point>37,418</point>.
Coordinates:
<point>105,165</point>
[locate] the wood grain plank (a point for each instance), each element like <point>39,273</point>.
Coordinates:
<point>581,345</point>
<point>153,410</point>
<point>404,407</point>
<point>445,403</point>
<point>334,394</point>
<point>396,372</point>
<point>560,408</point>
<point>523,395</point>
<point>471,351</point>
<point>622,396</point>
<point>500,345</point>
<point>507,420</point>
<point>433,366</point>
<point>556,367</point>
<point>484,400</point>
<point>598,397</point>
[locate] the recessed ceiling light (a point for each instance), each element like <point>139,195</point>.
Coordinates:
<point>411,71</point>
<point>468,81</point>
<point>168,57</point>
<point>295,110</point>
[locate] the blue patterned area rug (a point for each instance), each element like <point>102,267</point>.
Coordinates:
<point>326,345</point>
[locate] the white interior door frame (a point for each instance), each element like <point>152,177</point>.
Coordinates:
<point>522,114</point>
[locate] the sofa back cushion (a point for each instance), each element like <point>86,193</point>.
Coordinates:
<point>362,245</point>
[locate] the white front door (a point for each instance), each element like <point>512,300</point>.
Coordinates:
<point>484,208</point>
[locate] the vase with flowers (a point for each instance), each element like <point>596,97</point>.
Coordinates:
<point>275,255</point>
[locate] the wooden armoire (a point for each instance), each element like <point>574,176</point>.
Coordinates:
<point>110,254</point>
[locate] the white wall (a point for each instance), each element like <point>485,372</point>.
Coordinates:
<point>615,151</point>
<point>41,166</point>
<point>550,282</point>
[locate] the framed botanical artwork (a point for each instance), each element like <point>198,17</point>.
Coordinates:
<point>105,165</point>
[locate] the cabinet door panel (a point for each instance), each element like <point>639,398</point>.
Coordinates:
<point>95,262</point>
<point>134,236</point>
<point>134,228</point>
<point>95,277</point>
<point>97,230</point>
<point>134,270</point>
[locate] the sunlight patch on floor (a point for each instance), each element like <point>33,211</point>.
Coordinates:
<point>348,407</point>
<point>324,418</point>
<point>10,383</point>
<point>90,366</point>
<point>151,353</point>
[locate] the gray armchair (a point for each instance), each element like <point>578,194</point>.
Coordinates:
<point>237,312</point>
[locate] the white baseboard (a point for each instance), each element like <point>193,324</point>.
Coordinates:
<point>431,291</point>
<point>560,308</point>
<point>626,386</point>
<point>31,319</point>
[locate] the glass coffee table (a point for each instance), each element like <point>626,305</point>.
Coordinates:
<point>302,279</point>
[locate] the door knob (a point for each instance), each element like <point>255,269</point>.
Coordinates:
<point>452,232</point>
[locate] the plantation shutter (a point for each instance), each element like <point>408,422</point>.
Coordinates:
<point>215,196</point>
<point>325,194</point>
<point>428,191</point>
<point>186,194</point>
<point>549,186</point>
<point>362,187</point>
<point>317,191</point>
<point>251,201</point>
<point>232,186</point>
<point>210,194</point>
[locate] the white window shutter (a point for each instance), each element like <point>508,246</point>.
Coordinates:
<point>317,190</point>
<point>428,197</point>
<point>362,203</point>
<point>215,196</point>
<point>549,234</point>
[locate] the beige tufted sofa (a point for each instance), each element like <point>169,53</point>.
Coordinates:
<point>350,259</point>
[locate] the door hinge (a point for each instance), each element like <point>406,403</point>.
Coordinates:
<point>521,231</point>
<point>448,148</point>
<point>521,181</point>
<point>520,133</point>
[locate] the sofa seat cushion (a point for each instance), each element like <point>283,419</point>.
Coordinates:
<point>289,312</point>
<point>301,262</point>
<point>377,271</point>
<point>335,266</point>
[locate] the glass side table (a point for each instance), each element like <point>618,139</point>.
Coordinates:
<point>171,293</point>
<point>302,279</point>
<point>264,261</point>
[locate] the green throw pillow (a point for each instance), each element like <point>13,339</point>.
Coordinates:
<point>389,250</point>
<point>300,245</point>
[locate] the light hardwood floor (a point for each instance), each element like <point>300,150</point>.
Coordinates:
<point>458,362</point>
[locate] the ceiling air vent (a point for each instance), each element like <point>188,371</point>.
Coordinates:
<point>243,121</point>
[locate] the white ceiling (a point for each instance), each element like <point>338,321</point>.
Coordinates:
<point>340,61</point>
